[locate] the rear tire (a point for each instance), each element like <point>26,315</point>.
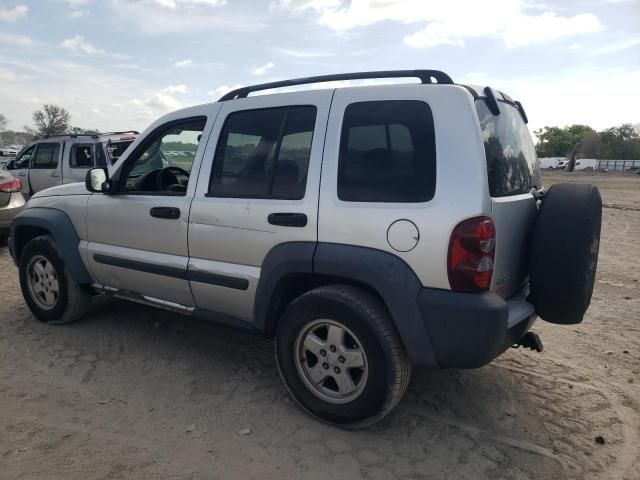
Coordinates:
<point>51,293</point>
<point>564,252</point>
<point>376,383</point>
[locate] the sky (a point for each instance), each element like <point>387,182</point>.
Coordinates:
<point>120,64</point>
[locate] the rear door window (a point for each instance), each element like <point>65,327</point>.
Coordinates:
<point>46,156</point>
<point>512,164</point>
<point>264,154</point>
<point>81,156</point>
<point>387,152</point>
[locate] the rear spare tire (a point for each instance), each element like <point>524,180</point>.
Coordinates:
<point>564,252</point>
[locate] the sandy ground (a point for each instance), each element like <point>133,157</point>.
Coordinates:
<point>134,392</point>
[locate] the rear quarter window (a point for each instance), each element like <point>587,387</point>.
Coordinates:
<point>512,165</point>
<point>387,152</point>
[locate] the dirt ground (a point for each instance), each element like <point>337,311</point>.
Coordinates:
<point>134,392</point>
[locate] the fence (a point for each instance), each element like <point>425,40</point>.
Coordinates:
<point>619,165</point>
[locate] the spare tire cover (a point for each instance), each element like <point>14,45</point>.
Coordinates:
<point>564,252</point>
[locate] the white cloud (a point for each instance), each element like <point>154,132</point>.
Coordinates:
<point>262,69</point>
<point>223,89</point>
<point>175,89</point>
<point>16,40</point>
<point>13,14</point>
<point>183,63</point>
<point>78,13</point>
<point>158,17</point>
<point>450,22</point>
<point>163,102</point>
<point>6,75</point>
<point>172,4</point>
<point>616,47</point>
<point>78,45</point>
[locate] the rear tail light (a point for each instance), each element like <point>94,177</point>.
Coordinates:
<point>12,186</point>
<point>471,254</point>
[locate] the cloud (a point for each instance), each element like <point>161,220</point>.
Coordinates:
<point>16,40</point>
<point>616,47</point>
<point>445,25</point>
<point>223,89</point>
<point>158,17</point>
<point>173,4</point>
<point>262,69</point>
<point>13,14</point>
<point>175,89</point>
<point>79,46</point>
<point>183,63</point>
<point>6,75</point>
<point>163,102</point>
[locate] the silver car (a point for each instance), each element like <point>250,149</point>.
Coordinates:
<point>11,202</point>
<point>366,229</point>
<point>60,159</point>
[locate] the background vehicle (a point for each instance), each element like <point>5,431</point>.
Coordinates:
<point>367,229</point>
<point>8,151</point>
<point>11,202</point>
<point>62,159</point>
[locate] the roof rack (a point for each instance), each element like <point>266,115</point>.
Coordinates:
<point>72,135</point>
<point>425,76</point>
<point>133,132</point>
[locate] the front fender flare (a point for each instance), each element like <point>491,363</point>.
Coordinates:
<point>63,232</point>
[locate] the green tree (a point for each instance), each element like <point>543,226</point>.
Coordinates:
<point>559,142</point>
<point>51,120</point>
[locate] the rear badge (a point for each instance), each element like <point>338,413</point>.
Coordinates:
<point>503,279</point>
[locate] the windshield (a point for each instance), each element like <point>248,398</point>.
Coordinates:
<point>512,164</point>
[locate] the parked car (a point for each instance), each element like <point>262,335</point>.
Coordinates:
<point>60,159</point>
<point>11,202</point>
<point>7,151</point>
<point>561,165</point>
<point>366,229</point>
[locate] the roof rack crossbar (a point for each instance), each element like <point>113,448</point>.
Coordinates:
<point>72,135</point>
<point>425,76</point>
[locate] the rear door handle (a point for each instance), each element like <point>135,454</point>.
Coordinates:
<point>171,213</point>
<point>55,174</point>
<point>288,219</point>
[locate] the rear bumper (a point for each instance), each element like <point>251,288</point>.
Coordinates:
<point>9,211</point>
<point>469,330</point>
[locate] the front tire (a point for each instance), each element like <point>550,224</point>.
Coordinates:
<point>340,356</point>
<point>51,293</point>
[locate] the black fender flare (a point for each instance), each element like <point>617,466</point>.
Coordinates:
<point>63,232</point>
<point>386,274</point>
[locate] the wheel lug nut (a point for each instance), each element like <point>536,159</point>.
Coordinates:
<point>337,370</point>
<point>332,348</point>
<point>325,365</point>
<point>341,359</point>
<point>323,353</point>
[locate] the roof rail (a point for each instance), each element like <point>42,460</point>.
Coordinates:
<point>133,132</point>
<point>72,135</point>
<point>425,76</point>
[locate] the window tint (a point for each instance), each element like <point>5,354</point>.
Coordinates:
<point>46,155</point>
<point>81,156</point>
<point>387,152</point>
<point>164,162</point>
<point>264,153</point>
<point>22,161</point>
<point>511,157</point>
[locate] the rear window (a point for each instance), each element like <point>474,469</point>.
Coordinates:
<point>387,152</point>
<point>511,157</point>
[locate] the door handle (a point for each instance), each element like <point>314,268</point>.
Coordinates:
<point>165,212</point>
<point>22,174</point>
<point>55,174</point>
<point>288,219</point>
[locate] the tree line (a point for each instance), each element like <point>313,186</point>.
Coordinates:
<point>581,141</point>
<point>51,119</point>
<point>574,141</point>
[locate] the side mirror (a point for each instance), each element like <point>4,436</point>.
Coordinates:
<point>97,180</point>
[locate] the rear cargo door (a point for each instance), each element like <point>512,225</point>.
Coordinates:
<point>513,170</point>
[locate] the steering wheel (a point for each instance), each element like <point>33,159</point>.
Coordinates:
<point>167,177</point>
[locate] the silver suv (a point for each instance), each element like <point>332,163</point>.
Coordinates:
<point>59,159</point>
<point>366,229</point>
